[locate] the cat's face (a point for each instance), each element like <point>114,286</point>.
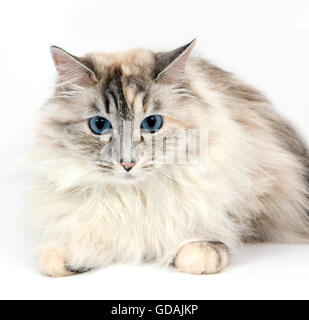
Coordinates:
<point>120,113</point>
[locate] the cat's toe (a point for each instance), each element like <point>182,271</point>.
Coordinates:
<point>202,258</point>
<point>51,263</point>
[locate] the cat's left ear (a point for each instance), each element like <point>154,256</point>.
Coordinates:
<point>171,65</point>
<point>72,69</point>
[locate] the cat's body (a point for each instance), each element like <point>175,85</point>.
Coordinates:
<point>251,183</point>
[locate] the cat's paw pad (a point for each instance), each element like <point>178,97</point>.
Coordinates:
<point>51,263</point>
<point>202,258</point>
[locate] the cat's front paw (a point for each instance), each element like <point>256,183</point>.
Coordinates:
<point>52,264</point>
<point>202,258</point>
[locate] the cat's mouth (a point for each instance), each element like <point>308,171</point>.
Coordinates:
<point>125,178</point>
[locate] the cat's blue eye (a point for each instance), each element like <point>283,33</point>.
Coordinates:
<point>152,123</point>
<point>99,125</point>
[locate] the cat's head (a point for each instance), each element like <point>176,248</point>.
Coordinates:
<point>118,113</point>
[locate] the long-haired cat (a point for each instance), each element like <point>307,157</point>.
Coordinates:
<point>101,195</point>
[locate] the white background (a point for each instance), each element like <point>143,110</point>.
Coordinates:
<point>265,42</point>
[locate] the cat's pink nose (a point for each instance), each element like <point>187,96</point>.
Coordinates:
<point>127,165</point>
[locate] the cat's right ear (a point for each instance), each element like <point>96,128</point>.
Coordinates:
<point>72,69</point>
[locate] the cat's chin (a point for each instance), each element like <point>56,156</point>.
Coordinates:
<point>126,178</point>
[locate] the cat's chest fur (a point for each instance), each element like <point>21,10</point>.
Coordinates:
<point>131,224</point>
<point>148,221</point>
<point>141,223</point>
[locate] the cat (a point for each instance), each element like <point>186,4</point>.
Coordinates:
<point>97,199</point>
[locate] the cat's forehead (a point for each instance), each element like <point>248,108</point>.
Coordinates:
<point>123,77</point>
<point>133,63</point>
